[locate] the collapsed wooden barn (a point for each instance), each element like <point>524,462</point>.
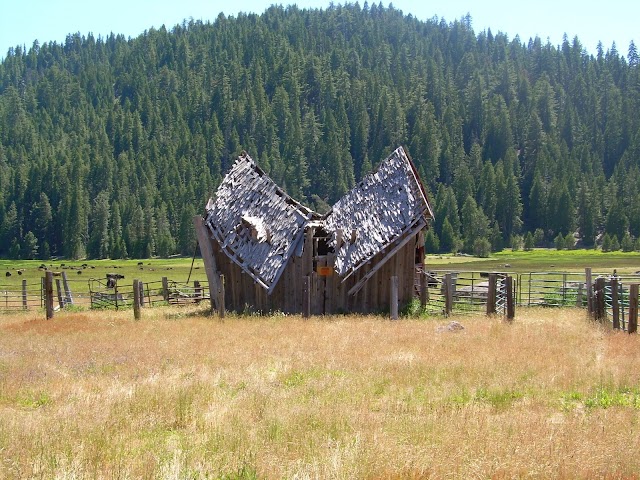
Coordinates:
<point>271,250</point>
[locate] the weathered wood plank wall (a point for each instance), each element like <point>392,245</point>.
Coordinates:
<point>328,292</point>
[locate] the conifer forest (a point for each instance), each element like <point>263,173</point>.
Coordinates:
<point>110,146</point>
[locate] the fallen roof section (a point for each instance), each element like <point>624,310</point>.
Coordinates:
<point>387,204</point>
<point>255,222</point>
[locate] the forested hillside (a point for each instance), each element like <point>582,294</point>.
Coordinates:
<point>109,146</point>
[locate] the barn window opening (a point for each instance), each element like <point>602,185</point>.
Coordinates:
<point>321,240</point>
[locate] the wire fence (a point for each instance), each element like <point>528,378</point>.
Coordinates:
<point>464,292</point>
<point>23,296</point>
<point>99,293</point>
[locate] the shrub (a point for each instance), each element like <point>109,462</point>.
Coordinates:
<point>482,247</point>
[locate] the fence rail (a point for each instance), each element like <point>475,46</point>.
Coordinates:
<point>21,297</point>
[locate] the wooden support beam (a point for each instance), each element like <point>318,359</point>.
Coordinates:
<point>393,306</point>
<point>633,307</point>
<point>306,296</point>
<point>220,293</point>
<point>206,250</point>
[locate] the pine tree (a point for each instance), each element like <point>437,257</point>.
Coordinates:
<point>528,242</point>
<point>98,246</point>
<point>627,243</point>
<point>615,244</point>
<point>431,242</point>
<point>29,246</point>
<point>475,224</point>
<point>449,242</point>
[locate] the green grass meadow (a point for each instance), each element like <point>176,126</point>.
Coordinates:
<point>541,260</point>
<point>178,269</point>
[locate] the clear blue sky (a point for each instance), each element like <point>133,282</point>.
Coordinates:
<point>51,20</point>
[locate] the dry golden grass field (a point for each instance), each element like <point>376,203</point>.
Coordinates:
<point>182,395</point>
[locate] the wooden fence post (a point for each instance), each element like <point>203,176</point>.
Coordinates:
<point>68,298</point>
<point>633,308</point>
<point>448,294</point>
<point>511,306</point>
<point>599,300</point>
<point>24,294</point>
<point>491,294</point>
<point>615,303</point>
<point>393,306</point>
<point>197,290</point>
<point>59,290</point>
<point>579,296</point>
<point>424,289</point>
<point>306,296</point>
<point>48,294</point>
<point>165,289</point>
<point>221,305</point>
<point>141,293</point>
<point>136,299</point>
<point>589,284</point>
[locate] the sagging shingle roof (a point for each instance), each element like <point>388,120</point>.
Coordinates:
<point>259,226</point>
<point>386,204</point>
<point>255,222</point>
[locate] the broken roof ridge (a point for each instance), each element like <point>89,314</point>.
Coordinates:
<point>310,213</point>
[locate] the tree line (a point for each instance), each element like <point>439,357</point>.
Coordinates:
<point>109,146</point>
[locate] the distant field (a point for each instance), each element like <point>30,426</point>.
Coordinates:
<point>80,273</point>
<point>182,395</point>
<point>147,270</point>
<point>542,260</point>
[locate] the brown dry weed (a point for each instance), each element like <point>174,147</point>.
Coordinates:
<point>182,395</point>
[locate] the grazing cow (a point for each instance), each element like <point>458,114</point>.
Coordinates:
<point>8,274</point>
<point>112,279</point>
